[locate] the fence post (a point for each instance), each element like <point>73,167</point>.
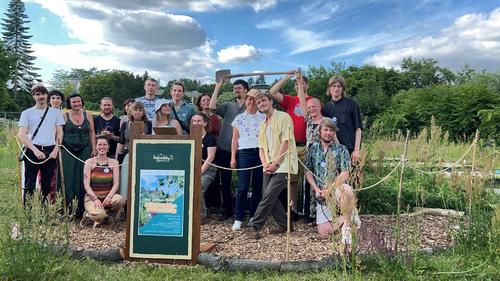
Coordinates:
<point>471,182</point>
<point>398,210</point>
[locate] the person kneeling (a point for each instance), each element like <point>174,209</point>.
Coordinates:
<point>329,162</point>
<point>101,181</point>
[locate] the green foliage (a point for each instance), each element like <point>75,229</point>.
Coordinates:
<point>456,109</point>
<point>117,84</point>
<point>425,73</point>
<point>16,40</point>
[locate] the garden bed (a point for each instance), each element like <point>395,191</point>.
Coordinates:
<point>377,235</point>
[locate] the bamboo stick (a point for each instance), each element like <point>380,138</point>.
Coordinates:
<point>398,211</point>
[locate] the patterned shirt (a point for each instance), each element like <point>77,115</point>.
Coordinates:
<point>318,161</point>
<point>183,114</point>
<point>312,133</point>
<point>149,106</point>
<point>248,128</point>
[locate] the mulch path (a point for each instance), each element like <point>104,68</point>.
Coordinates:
<point>377,235</point>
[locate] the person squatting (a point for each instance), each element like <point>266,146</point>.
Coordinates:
<point>248,134</point>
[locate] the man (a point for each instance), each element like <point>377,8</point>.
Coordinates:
<point>149,100</point>
<point>275,140</point>
<point>291,105</point>
<point>108,125</point>
<point>45,124</point>
<point>328,164</point>
<point>181,111</point>
<point>345,114</point>
<point>228,111</point>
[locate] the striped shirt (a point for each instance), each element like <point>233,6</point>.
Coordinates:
<point>101,180</point>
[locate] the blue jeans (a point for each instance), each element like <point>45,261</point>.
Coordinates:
<point>248,158</point>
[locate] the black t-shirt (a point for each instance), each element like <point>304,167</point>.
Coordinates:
<point>346,115</point>
<point>209,140</point>
<point>112,125</point>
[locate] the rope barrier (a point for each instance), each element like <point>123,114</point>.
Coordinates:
<point>445,169</point>
<point>243,169</point>
<point>383,179</point>
<point>47,159</point>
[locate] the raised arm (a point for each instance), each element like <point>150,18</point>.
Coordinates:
<point>301,92</point>
<point>275,90</point>
<point>215,95</point>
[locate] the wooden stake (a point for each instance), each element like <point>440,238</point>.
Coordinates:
<point>289,205</point>
<point>61,171</point>
<point>471,182</point>
<point>400,189</point>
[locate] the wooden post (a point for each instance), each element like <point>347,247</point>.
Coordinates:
<point>471,182</point>
<point>289,195</point>
<point>400,189</point>
<point>61,171</point>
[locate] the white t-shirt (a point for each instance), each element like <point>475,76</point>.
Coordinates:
<point>46,135</point>
<point>248,128</point>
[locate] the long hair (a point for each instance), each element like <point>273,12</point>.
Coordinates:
<point>135,106</point>
<point>198,100</point>
<point>334,79</point>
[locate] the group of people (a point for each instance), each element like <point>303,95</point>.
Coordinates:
<point>262,143</point>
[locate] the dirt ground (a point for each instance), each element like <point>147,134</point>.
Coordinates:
<point>377,235</point>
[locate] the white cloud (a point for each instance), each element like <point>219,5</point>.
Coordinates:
<point>271,24</point>
<point>473,39</point>
<point>238,53</point>
<point>302,40</point>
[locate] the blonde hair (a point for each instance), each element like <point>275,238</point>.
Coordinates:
<point>334,79</point>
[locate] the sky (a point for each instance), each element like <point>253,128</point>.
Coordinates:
<point>172,39</point>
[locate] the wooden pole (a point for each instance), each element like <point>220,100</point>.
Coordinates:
<point>289,195</point>
<point>471,182</point>
<point>400,189</point>
<point>61,171</point>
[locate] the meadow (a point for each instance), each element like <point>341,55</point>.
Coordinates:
<point>30,254</point>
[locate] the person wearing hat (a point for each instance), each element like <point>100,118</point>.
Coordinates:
<point>162,116</point>
<point>245,154</point>
<point>40,131</point>
<point>278,154</point>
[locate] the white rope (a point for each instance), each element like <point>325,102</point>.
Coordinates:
<point>451,166</point>
<point>243,169</point>
<point>47,159</point>
<point>383,179</point>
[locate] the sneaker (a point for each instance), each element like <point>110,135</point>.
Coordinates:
<point>294,216</point>
<point>253,233</point>
<point>355,219</point>
<point>236,226</point>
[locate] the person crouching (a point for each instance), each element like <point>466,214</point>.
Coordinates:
<point>101,180</point>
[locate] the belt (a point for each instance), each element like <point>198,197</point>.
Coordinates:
<point>299,143</point>
<point>44,147</point>
<point>249,149</point>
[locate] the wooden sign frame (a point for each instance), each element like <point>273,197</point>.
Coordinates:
<point>172,245</point>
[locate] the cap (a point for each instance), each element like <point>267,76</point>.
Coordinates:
<point>160,102</point>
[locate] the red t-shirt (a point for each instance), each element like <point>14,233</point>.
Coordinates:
<point>291,104</point>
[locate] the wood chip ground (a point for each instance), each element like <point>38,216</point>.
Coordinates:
<point>377,235</point>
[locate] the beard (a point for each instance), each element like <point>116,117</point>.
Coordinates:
<point>326,140</point>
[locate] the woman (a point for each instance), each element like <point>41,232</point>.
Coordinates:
<point>162,116</point>
<point>202,103</point>
<point>136,112</point>
<point>79,140</point>
<point>102,176</point>
<point>126,105</point>
<point>208,155</point>
<point>55,98</point>
<point>244,154</point>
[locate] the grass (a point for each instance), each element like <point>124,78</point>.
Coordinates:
<point>476,257</point>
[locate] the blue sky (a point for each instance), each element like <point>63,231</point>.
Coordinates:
<point>174,39</point>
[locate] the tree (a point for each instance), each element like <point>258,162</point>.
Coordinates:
<point>117,84</point>
<point>6,66</point>
<point>15,38</point>
<point>426,72</point>
<point>66,81</point>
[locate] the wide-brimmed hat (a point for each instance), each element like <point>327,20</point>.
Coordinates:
<point>160,102</point>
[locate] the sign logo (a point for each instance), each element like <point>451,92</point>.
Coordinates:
<point>163,158</point>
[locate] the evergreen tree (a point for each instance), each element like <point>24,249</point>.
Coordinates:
<point>15,37</point>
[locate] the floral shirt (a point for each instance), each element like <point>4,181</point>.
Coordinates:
<point>184,114</point>
<point>318,161</point>
<point>312,134</point>
<point>248,128</point>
